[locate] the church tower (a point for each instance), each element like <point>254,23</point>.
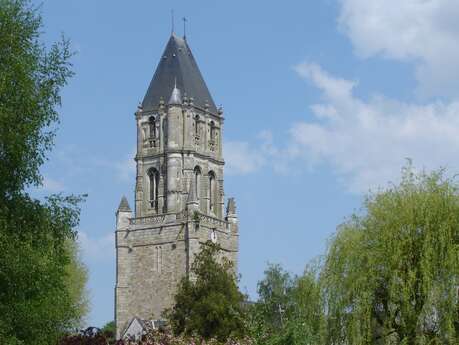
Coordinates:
<point>179,194</point>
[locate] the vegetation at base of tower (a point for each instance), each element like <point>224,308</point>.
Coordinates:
<point>39,262</point>
<point>38,300</point>
<point>109,330</point>
<point>75,282</point>
<point>95,336</point>
<point>289,309</point>
<point>390,275</point>
<point>209,304</point>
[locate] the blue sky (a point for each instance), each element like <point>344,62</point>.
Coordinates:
<point>324,100</point>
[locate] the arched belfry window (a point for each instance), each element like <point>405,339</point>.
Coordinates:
<point>152,127</point>
<point>153,177</point>
<point>197,182</point>
<point>212,131</point>
<point>196,126</point>
<point>212,191</point>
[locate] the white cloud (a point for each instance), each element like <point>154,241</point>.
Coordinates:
<point>422,31</point>
<point>367,142</point>
<point>97,248</point>
<point>242,158</point>
<point>51,185</point>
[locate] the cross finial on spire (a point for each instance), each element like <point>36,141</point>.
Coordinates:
<point>184,27</point>
<point>172,22</point>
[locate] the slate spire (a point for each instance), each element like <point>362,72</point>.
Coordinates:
<point>177,67</point>
<point>231,208</point>
<point>124,205</point>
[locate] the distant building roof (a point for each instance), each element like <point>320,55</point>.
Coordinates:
<point>138,327</point>
<point>178,67</point>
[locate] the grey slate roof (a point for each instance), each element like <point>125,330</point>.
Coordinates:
<point>124,205</point>
<point>177,63</point>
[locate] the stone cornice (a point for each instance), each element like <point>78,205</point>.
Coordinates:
<point>182,151</point>
<point>184,107</point>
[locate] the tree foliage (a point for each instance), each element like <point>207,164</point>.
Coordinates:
<point>38,264</point>
<point>76,274</point>
<point>31,78</point>
<point>391,274</point>
<point>289,309</point>
<point>95,336</point>
<point>35,302</point>
<point>208,303</point>
<point>109,330</point>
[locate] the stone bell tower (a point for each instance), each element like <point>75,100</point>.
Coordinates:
<point>179,194</point>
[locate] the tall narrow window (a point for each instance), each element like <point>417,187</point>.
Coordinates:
<point>212,130</point>
<point>196,125</point>
<point>153,175</point>
<point>211,191</point>
<point>197,182</point>
<point>157,258</point>
<point>212,136</point>
<point>152,125</point>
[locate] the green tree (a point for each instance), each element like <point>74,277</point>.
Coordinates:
<point>31,78</point>
<point>391,273</point>
<point>38,300</point>
<point>109,331</point>
<point>306,319</point>
<point>274,292</point>
<point>267,317</point>
<point>289,309</point>
<point>208,303</point>
<point>36,305</point>
<point>76,280</point>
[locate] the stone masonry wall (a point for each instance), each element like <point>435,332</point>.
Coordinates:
<point>151,260</point>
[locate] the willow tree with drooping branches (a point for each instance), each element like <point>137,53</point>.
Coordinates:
<point>391,272</point>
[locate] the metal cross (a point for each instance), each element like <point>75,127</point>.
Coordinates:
<point>184,27</point>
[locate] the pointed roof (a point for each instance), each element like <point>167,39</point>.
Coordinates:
<point>124,205</point>
<point>231,208</point>
<point>176,96</point>
<point>177,63</point>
